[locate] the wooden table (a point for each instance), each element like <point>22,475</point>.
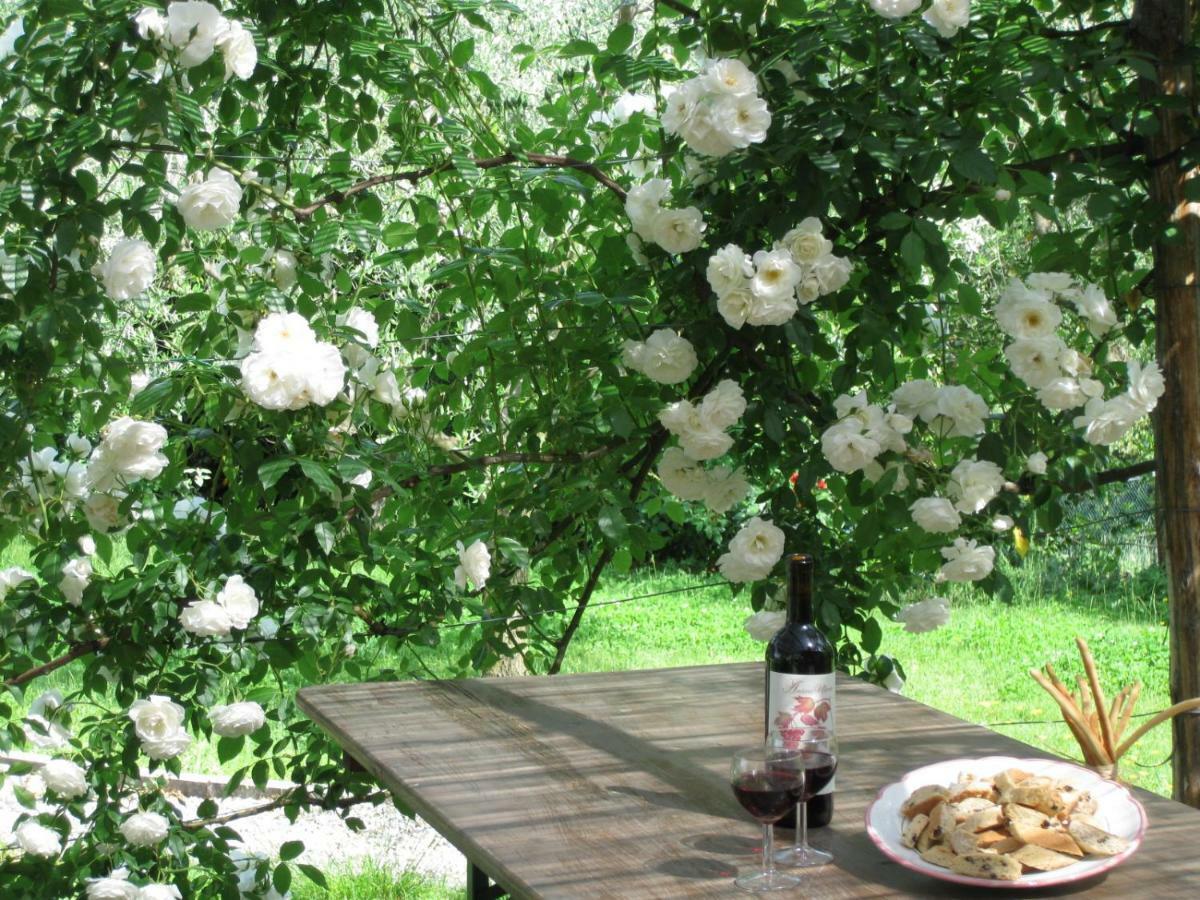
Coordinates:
<point>615,785</point>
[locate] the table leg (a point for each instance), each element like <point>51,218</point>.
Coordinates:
<point>479,886</point>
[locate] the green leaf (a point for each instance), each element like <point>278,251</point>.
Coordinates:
<point>578,48</point>
<point>318,475</point>
<point>612,524</point>
<point>152,396</point>
<point>872,635</point>
<point>620,38</point>
<point>282,878</point>
<point>271,471</point>
<point>974,164</point>
<point>229,747</point>
<point>462,52</point>
<point>14,270</point>
<point>325,536</point>
<point>289,850</point>
<point>912,251</point>
<point>512,550</point>
<point>313,874</point>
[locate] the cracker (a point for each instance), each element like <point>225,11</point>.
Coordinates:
<point>987,865</point>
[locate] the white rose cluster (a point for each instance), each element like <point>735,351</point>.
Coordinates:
<point>719,110</point>
<point>235,606</point>
<point>45,728</point>
<point>145,829</point>
<point>129,269</point>
<point>237,719</point>
<point>358,351</point>
<point>966,561</point>
<point>1029,312</point>
<point>158,724</point>
<point>665,357</point>
<point>765,624</point>
<point>288,368</point>
<point>474,566</point>
<point>753,552</point>
<point>211,203</point>
<point>945,16</point>
<point>44,474</point>
<point>64,778</point>
<point>895,9</point>
<point>862,433</point>
<point>768,287</point>
<point>951,410</point>
<point>974,484</point>
<point>129,451</point>
<point>12,577</point>
<point>114,886</point>
<point>37,840</point>
<point>675,230</point>
<point>720,488</point>
<point>192,31</point>
<point>702,428</point>
<point>928,615</point>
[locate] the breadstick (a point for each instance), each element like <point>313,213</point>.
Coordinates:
<point>1089,664</point>
<point>1087,740</point>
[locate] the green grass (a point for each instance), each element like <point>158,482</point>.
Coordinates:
<point>376,883</point>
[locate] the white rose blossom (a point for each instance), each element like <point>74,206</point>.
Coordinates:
<point>718,111</point>
<point>729,269</point>
<point>237,719</point>
<point>1002,523</point>
<point>966,561</point>
<point>1062,393</point>
<point>129,269</point>
<point>1093,305</point>
<point>1024,315</point>
<point>678,230</point>
<point>682,475</point>
<point>238,50</point>
<point>806,243</point>
<point>158,892</point>
<point>150,24</point>
<point>1107,421</point>
<point>917,399</point>
<point>205,618</point>
<point>76,576</point>
<point>1146,385</point>
<point>724,488</point>
<point>765,624</point>
<point>1036,463</point>
<point>974,484</point>
<point>37,840</point>
<point>193,29</point>
<point>948,16</point>
<point>643,203</point>
<point>129,451</point>
<point>65,778</point>
<point>1035,360</point>
<point>474,565</point>
<point>115,886</point>
<point>935,514</point>
<point>847,448</point>
<point>13,577</point>
<point>928,615</point>
<point>1051,282</point>
<point>210,204</point>
<point>960,412</point>
<point>48,733</point>
<point>895,9</point>
<point>145,829</point>
<point>753,552</point>
<point>158,723</point>
<point>288,368</point>
<point>283,268</point>
<point>665,357</point>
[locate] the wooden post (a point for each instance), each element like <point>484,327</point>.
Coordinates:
<point>1164,29</point>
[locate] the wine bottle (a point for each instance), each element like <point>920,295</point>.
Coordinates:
<point>800,688</point>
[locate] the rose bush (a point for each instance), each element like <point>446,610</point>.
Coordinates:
<point>316,336</point>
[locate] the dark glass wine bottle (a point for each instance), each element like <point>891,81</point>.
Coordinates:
<point>800,692</point>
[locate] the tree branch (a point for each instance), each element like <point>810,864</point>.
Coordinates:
<point>1080,32</point>
<point>70,656</point>
<point>279,803</point>
<point>495,459</point>
<point>682,8</point>
<point>1028,483</point>
<point>541,160</point>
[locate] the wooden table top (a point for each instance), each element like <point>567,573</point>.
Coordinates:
<point>616,785</point>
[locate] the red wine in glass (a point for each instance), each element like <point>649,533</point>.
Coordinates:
<point>819,769</point>
<point>767,797</point>
<point>767,781</point>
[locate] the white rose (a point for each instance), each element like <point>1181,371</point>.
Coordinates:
<point>386,388</point>
<point>192,29</point>
<point>1036,463</point>
<point>205,618</point>
<point>1051,282</point>
<point>38,840</point>
<point>65,778</point>
<point>129,269</point>
<point>873,471</point>
<point>474,565</point>
<point>775,275</point>
<point>363,322</point>
<point>275,380</point>
<point>151,24</point>
<point>76,576</point>
<point>237,719</point>
<point>917,399</point>
<point>729,76</point>
<point>806,243</point>
<point>928,615</point>
<point>237,47</point>
<point>966,561</point>
<point>128,452</point>
<point>1035,360</point>
<point>894,9</point>
<point>665,357</point>
<point>724,405</point>
<point>284,333</point>
<point>1062,393</point>
<point>681,475</point>
<point>637,249</point>
<point>677,230</point>
<point>724,489</point>
<point>847,449</point>
<point>935,514</point>
<point>1002,195</point>
<point>974,484</point>
<point>894,681</point>
<point>772,310</point>
<point>239,601</point>
<point>1107,421</point>
<point>948,16</point>
<point>832,273</point>
<point>283,268</point>
<point>1074,363</point>
<point>736,307</point>
<point>642,205</point>
<point>12,577</point>
<point>210,204</point>
<point>738,571</point>
<point>628,104</point>
<point>765,624</point>
<point>1146,385</point>
<point>1026,316</point>
<point>729,269</point>
<point>960,412</point>
<point>808,290</point>
<point>115,887</point>
<point>145,829</point>
<point>699,437</point>
<point>758,545</point>
<point>158,723</point>
<point>138,382</point>
<point>741,121</point>
<point>158,892</point>
<point>1002,523</point>
<point>1093,305</point>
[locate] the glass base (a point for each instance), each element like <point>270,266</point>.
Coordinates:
<point>803,857</point>
<point>760,882</point>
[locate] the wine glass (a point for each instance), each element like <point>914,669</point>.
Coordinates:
<point>767,781</point>
<point>818,757</point>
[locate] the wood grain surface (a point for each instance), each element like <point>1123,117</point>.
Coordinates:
<point>616,785</point>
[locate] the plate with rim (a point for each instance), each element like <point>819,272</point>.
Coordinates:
<point>1117,811</point>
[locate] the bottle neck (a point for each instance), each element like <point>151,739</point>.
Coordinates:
<point>800,592</point>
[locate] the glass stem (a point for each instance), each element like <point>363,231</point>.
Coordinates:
<point>802,812</point>
<point>768,849</point>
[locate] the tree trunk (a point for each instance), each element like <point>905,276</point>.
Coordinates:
<point>1164,29</point>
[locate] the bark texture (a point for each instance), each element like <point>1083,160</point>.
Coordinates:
<point>1164,28</point>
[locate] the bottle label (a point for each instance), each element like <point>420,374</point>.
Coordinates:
<point>799,702</point>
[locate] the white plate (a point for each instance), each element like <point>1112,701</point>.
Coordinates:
<point>1117,811</point>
